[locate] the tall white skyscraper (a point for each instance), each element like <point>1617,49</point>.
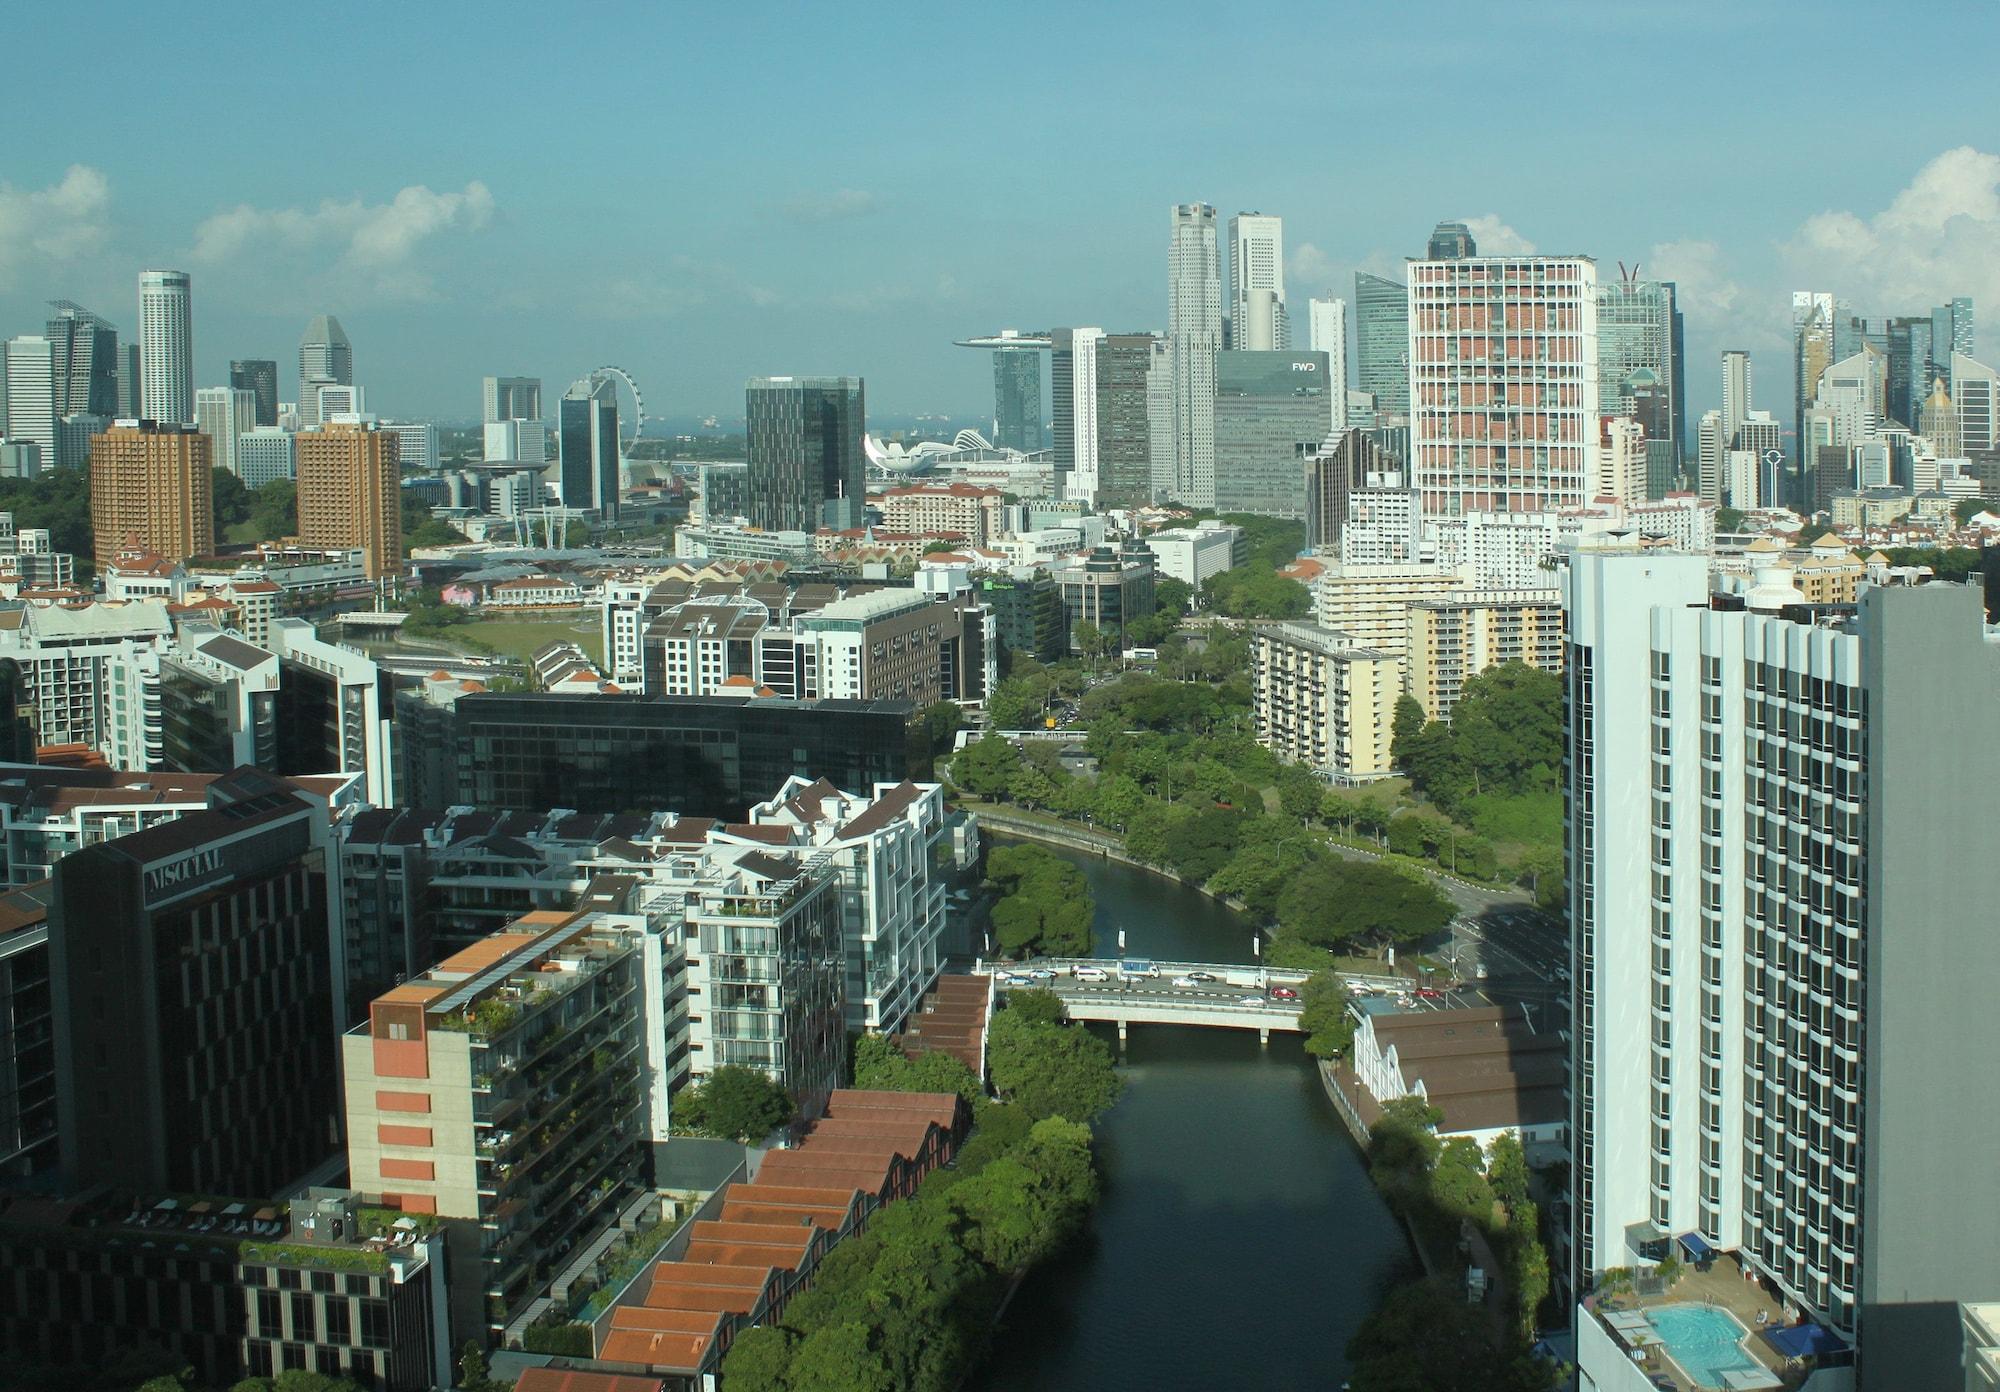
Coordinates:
<point>1503,383</point>
<point>1194,336</point>
<point>1326,322</point>
<point>1081,481</point>
<point>326,358</point>
<point>511,399</point>
<point>31,393</point>
<point>223,414</point>
<point>166,347</point>
<point>1776,939</point>
<point>1735,392</point>
<point>1257,264</point>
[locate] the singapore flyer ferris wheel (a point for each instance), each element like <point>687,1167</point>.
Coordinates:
<point>599,375</point>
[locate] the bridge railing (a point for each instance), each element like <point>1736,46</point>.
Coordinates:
<point>1066,966</point>
<point>1118,1003</point>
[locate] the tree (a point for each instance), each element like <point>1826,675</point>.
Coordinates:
<point>1425,1338</point>
<point>1200,844</point>
<point>232,501</point>
<point>433,531</point>
<point>472,1375</point>
<point>1507,1170</point>
<point>1299,791</point>
<point>987,766</point>
<point>940,723</point>
<point>1813,531</point>
<point>1260,869</point>
<point>734,1104</point>
<point>1324,1016</point>
<point>274,510</point>
<point>1050,1070</point>
<point>1728,519</point>
<point>1332,903</point>
<point>1046,905</point>
<point>1037,1006</point>
<point>1965,509</point>
<point>880,1063</point>
<point>1172,596</point>
<point>759,1360</point>
<point>1409,721</point>
<point>839,1358</point>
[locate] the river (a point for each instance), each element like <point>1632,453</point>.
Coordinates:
<point>1239,1243</point>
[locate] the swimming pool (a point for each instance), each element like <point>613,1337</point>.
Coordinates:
<point>1704,1341</point>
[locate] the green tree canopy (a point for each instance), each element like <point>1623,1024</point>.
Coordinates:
<point>734,1104</point>
<point>1051,1070</point>
<point>1334,903</point>
<point>1324,1017</point>
<point>987,766</point>
<point>1046,906</point>
<point>880,1063</point>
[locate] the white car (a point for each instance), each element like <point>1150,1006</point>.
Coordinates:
<point>1186,983</point>
<point>1042,974</point>
<point>1092,974</point>
<point>1253,1000</point>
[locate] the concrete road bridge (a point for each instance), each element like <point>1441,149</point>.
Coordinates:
<point>1231,996</point>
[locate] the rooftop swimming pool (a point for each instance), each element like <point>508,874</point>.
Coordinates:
<point>1705,1342</point>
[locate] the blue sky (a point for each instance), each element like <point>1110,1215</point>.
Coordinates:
<point>703,193</point>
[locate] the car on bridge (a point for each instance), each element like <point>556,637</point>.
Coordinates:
<point>1092,974</point>
<point>1257,1001</point>
<point>1283,993</point>
<point>1186,983</point>
<point>1134,967</point>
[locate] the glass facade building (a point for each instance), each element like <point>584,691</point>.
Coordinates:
<point>1382,342</point>
<point>1635,335</point>
<point>804,442</point>
<point>588,440</point>
<point>1124,429</point>
<point>1270,409</point>
<point>259,377</point>
<point>1017,400</point>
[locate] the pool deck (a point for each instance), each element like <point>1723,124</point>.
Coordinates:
<point>1724,1286</point>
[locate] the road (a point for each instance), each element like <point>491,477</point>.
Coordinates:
<point>1161,987</point>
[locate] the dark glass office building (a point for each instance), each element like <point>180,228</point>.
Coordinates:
<point>708,756</point>
<point>1124,435</point>
<point>1028,615</point>
<point>587,441</point>
<point>259,377</point>
<point>1017,399</point>
<point>807,469</point>
<point>1382,342</point>
<point>1270,409</point>
<point>83,357</point>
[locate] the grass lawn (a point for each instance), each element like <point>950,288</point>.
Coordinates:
<point>521,638</point>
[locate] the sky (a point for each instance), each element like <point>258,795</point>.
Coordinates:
<point>703,193</point>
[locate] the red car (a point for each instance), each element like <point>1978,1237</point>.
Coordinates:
<point>1429,993</point>
<point>1283,993</point>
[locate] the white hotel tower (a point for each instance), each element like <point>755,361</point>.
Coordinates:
<point>1781,905</point>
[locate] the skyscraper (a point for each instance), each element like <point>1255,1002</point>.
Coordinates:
<point>803,438</point>
<point>1503,383</point>
<point>350,492</point>
<point>152,482</point>
<point>1774,945</point>
<point>1910,366</point>
<point>1635,335</point>
<point>259,377</point>
<point>1124,427</point>
<point>1073,375</point>
<point>1326,322</point>
<point>326,358</point>
<point>31,393</point>
<point>511,399</point>
<point>1194,336</point>
<point>587,443</point>
<point>1735,393</point>
<point>1951,331</point>
<point>1270,410</point>
<point>1257,319</point>
<point>222,414</point>
<point>1017,397</point>
<point>129,388</point>
<point>1451,241</point>
<point>166,342</point>
<point>1382,343</point>
<point>84,361</point>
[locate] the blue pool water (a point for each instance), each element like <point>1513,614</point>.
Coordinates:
<point>1704,1341</point>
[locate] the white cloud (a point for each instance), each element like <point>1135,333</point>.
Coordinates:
<point>828,206</point>
<point>1703,287</point>
<point>1495,238</point>
<point>1939,236</point>
<point>1309,268</point>
<point>374,244</point>
<point>59,223</point>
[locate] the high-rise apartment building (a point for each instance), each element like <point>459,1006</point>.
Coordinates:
<point>1271,410</point>
<point>1355,461</point>
<point>803,436</point>
<point>31,393</point>
<point>588,452</point>
<point>84,361</point>
<point>153,481</point>
<point>326,359</point>
<point>350,492</point>
<point>1257,320</point>
<point>511,399</point>
<point>1503,383</point>
<point>166,342</point>
<point>223,414</point>
<point>1774,943</point>
<point>1322,700</point>
<point>1382,343</point>
<point>1326,327</point>
<point>259,377</point>
<point>1637,371</point>
<point>1735,393</point>
<point>1194,336</point>
<point>1073,379</point>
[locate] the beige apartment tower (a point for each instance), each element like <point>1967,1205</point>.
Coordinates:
<point>1323,701</point>
<point>350,492</point>
<point>153,482</point>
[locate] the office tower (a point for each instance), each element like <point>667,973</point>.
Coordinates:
<point>197,982</point>
<point>335,399</point>
<point>1951,331</point>
<point>28,1123</point>
<point>522,440</point>
<point>222,414</point>
<point>83,351</point>
<point>587,440</point>
<point>259,377</point>
<point>1194,336</point>
<point>1073,419</point>
<point>1735,392</point>
<point>1333,475</point>
<point>1326,322</point>
<point>1160,418</point>
<point>1815,347</point>
<point>1764,787</point>
<point>166,343</point>
<point>1017,397</point>
<point>1257,319</point>
<point>1975,395</point>
<point>1124,420</point>
<point>130,389</point>
<point>326,358</point>
<point>1515,340</point>
<point>511,399</point>
<point>1271,409</point>
<point>1635,353</point>
<point>264,455</point>
<point>153,481</point>
<point>1451,241</point>
<point>31,393</point>
<point>804,441</point>
<point>350,492</point>
<point>1909,367</point>
<point>1382,343</point>
<point>1852,394</point>
<point>417,451</point>
<point>1711,462</point>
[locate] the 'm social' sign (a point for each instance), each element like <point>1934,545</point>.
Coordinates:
<point>183,874</point>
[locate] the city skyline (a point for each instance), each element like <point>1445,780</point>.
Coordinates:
<point>451,264</point>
